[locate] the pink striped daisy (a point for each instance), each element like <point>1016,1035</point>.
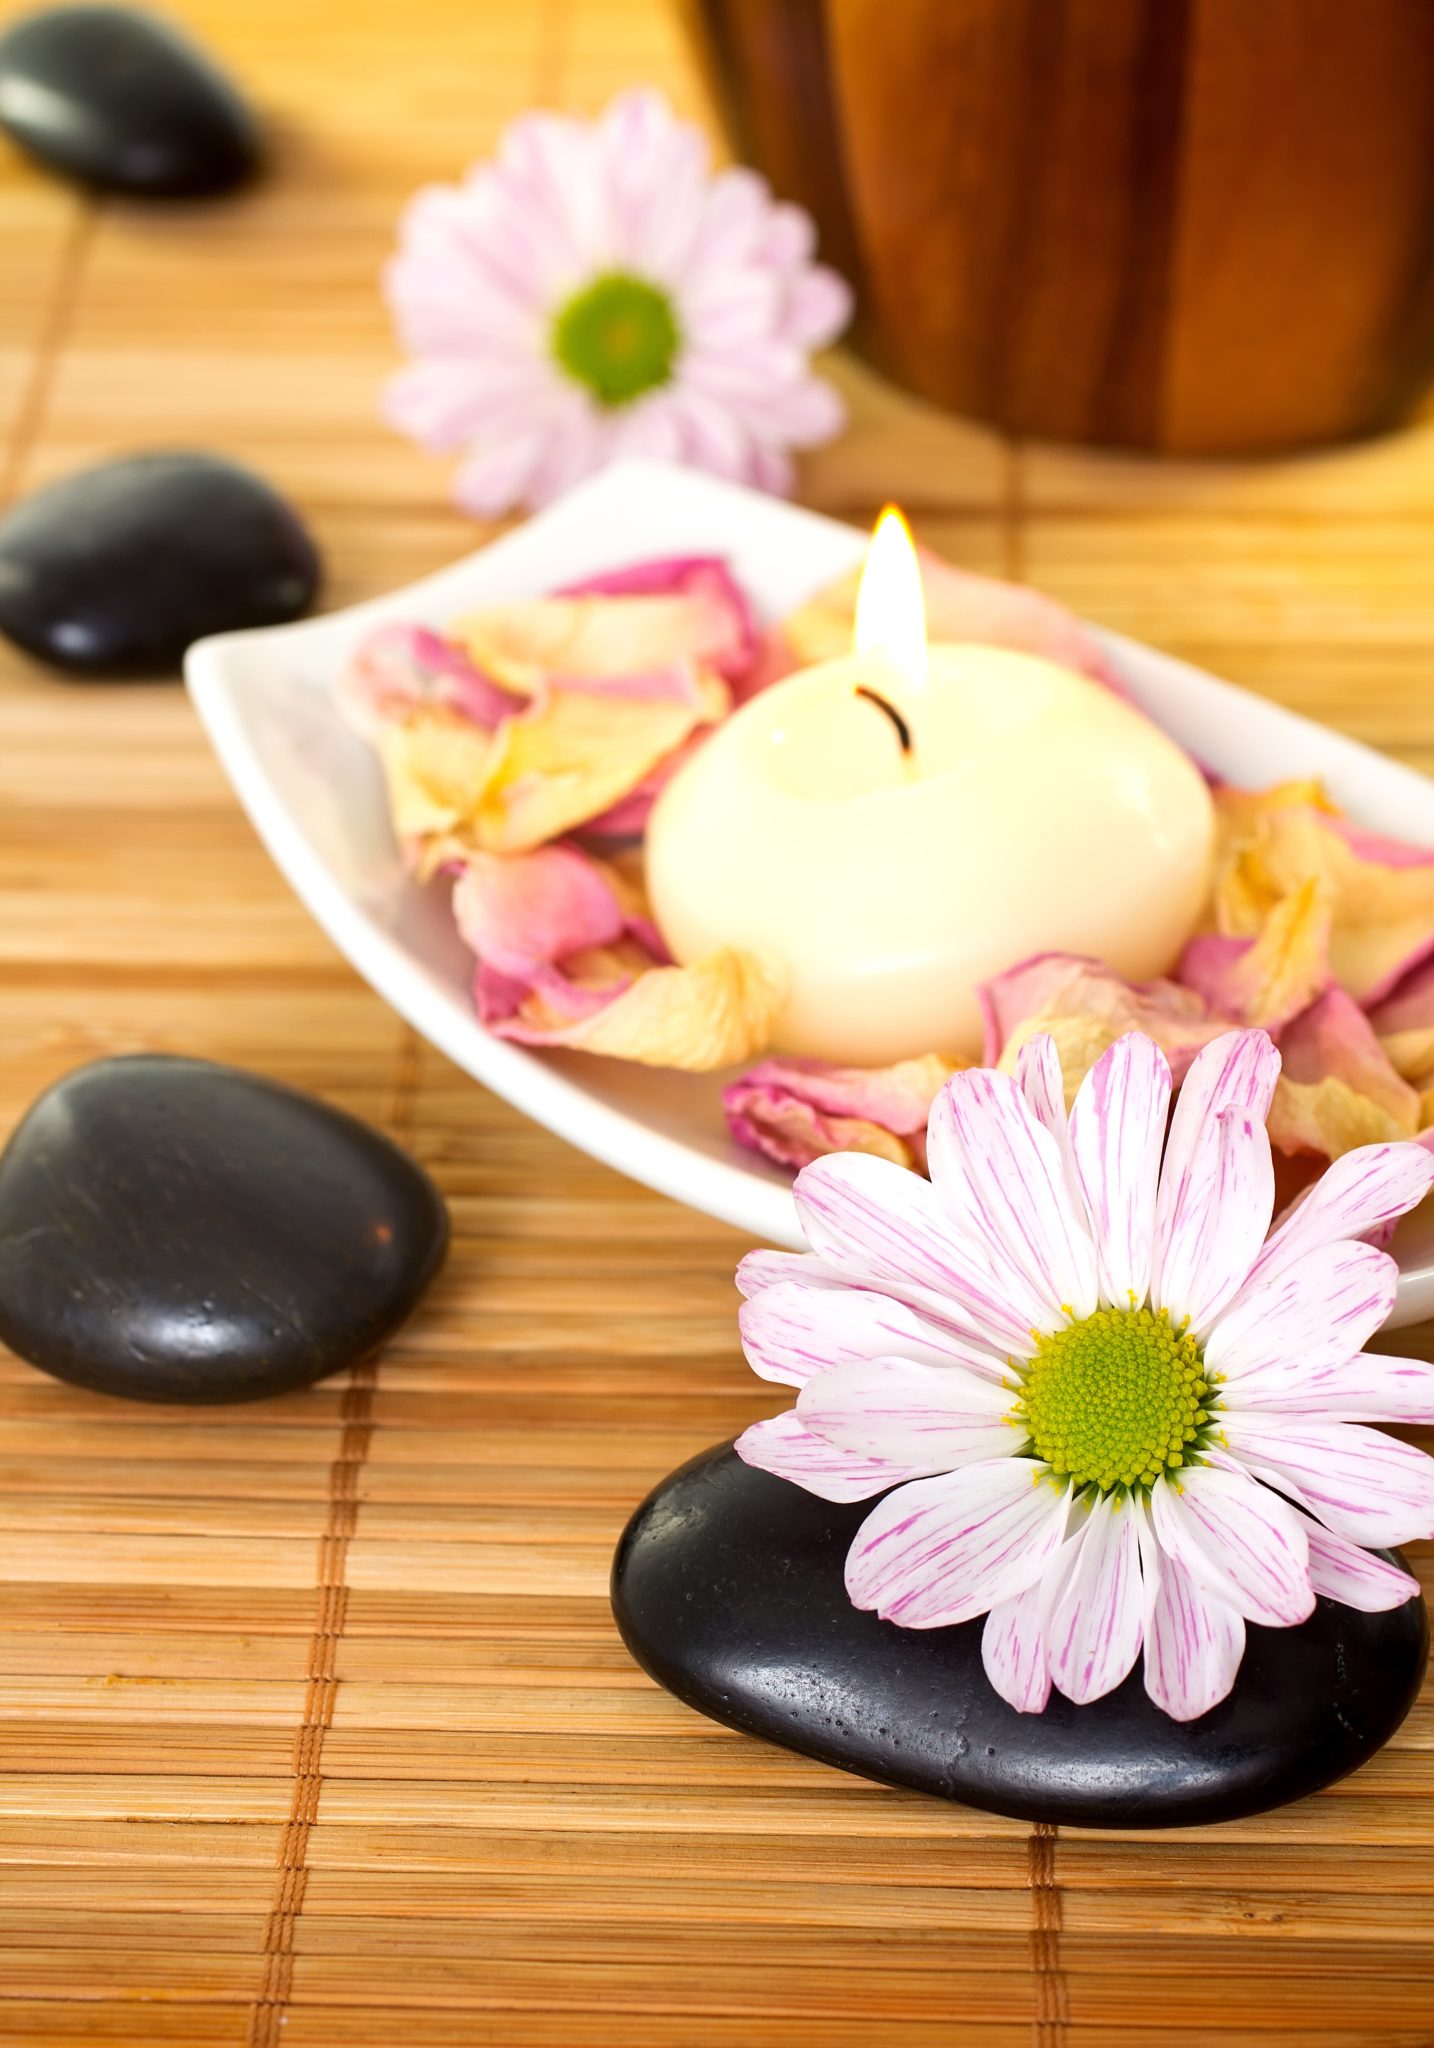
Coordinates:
<point>1105,1405</point>
<point>596,291</point>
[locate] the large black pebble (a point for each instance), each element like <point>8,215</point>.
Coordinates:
<point>116,570</point>
<point>120,100</point>
<point>727,1587</point>
<point>176,1231</point>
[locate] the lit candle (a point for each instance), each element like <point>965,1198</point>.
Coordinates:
<point>900,825</point>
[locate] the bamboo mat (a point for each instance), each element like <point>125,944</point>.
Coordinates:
<point>314,1727</point>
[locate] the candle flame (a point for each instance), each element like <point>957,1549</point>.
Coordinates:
<point>890,606</point>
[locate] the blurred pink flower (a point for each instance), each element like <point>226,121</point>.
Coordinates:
<point>595,291</point>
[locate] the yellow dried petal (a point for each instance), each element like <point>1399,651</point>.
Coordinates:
<point>1331,1117</point>
<point>1411,1053</point>
<point>437,766</point>
<point>1079,1040</point>
<point>601,638</point>
<point>1288,965</point>
<point>571,758</point>
<point>821,629</point>
<point>1380,917</point>
<point>713,1014</point>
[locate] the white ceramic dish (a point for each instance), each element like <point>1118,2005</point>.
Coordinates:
<point>315,797</point>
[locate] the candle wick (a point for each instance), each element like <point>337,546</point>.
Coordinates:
<point>903,730</point>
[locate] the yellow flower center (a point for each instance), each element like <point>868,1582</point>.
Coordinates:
<point>618,336</point>
<point>1116,1400</point>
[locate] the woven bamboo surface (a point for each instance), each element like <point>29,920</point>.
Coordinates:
<point>314,1726</point>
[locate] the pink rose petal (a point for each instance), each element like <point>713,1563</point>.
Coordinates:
<point>1055,985</point>
<point>398,667</point>
<point>795,1111</point>
<point>1333,1041</point>
<point>724,632</point>
<point>961,605</point>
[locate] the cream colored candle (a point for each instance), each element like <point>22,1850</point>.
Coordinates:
<point>894,854</point>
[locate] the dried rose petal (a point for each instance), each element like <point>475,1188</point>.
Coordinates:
<point>960,606</point>
<point>794,1111</point>
<point>1404,1024</point>
<point>397,668</point>
<point>1269,979</point>
<point>568,956</point>
<point>1337,1088</point>
<point>1085,1007</point>
<point>1381,911</point>
<point>725,632</point>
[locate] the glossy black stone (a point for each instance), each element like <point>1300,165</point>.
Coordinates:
<point>727,1587</point>
<point>176,1231</point>
<point>119,100</point>
<point>116,570</point>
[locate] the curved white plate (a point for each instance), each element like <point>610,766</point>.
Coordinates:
<point>315,797</point>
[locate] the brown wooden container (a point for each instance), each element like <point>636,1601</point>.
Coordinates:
<point>1197,226</point>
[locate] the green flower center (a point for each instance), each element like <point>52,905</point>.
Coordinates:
<point>1117,1400</point>
<point>618,336</point>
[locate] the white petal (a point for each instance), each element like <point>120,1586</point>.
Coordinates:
<point>771,469</point>
<point>817,307</point>
<point>882,1225</point>
<point>1369,1388</point>
<point>783,1448</point>
<point>933,1417</point>
<point>498,475</point>
<point>1317,1311</point>
<point>1240,1540</point>
<point>1209,1232</point>
<point>711,437</point>
<point>1360,1192</point>
<point>791,1331</point>
<point>1194,1641</point>
<point>1237,1071</point>
<point>1038,1076</point>
<point>1093,1637</point>
<point>587,441</point>
<point>1013,1650</point>
<point>1360,1482</point>
<point>944,1550</point>
<point>1117,1131</point>
<point>1343,1571</point>
<point>762,1269</point>
<point>999,1174</point>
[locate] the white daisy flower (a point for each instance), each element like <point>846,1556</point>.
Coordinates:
<point>1105,1409</point>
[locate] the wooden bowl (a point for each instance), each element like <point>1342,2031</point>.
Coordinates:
<point>1194,226</point>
